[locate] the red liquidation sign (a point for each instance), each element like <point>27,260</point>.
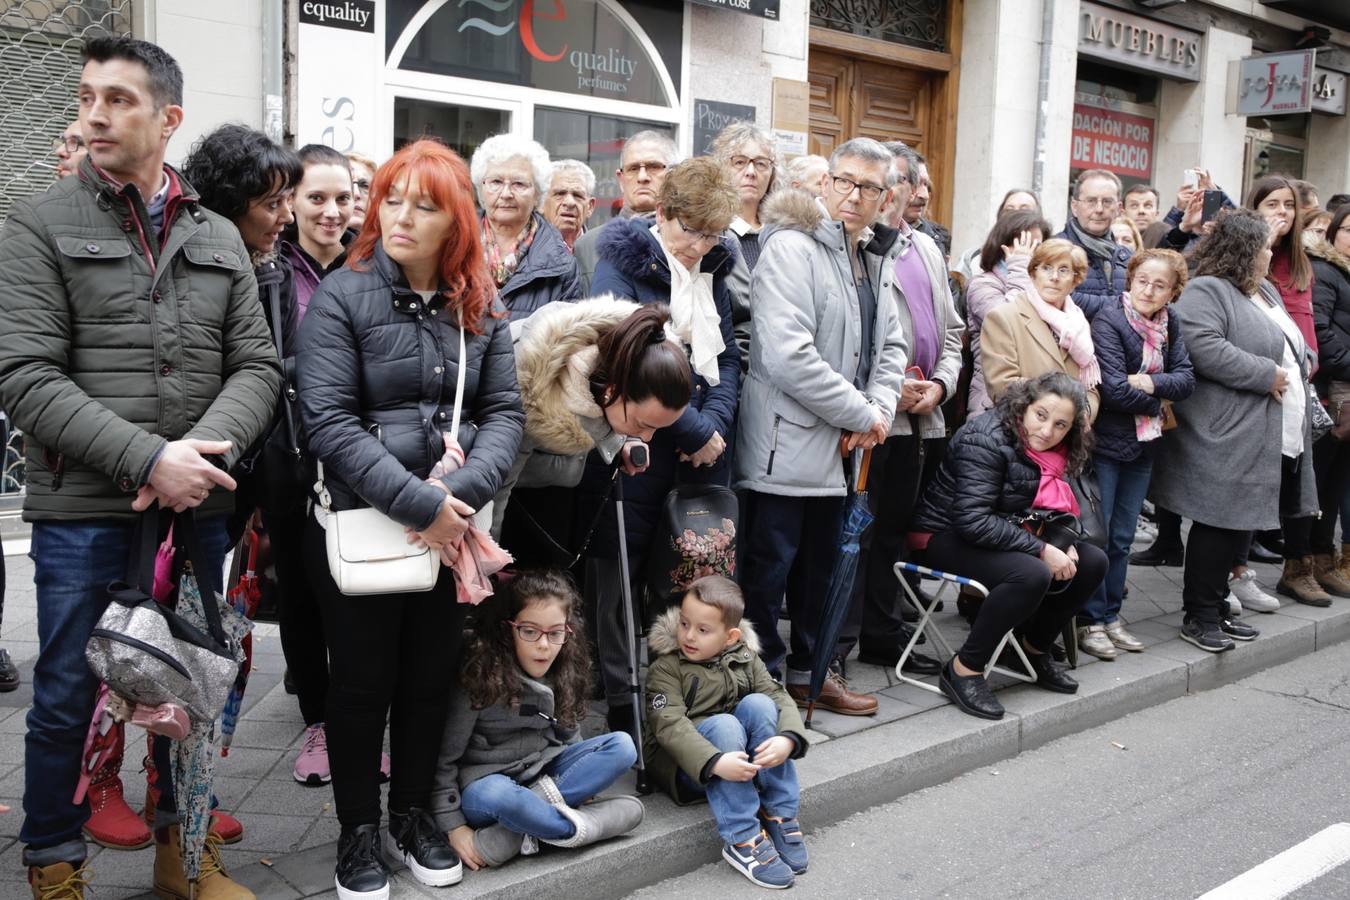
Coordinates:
<point>1116,141</point>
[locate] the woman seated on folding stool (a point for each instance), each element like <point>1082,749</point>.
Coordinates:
<point>997,468</point>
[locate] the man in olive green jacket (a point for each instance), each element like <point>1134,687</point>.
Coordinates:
<point>136,361</point>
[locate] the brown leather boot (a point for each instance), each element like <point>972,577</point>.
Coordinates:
<point>1328,576</point>
<point>836,697</point>
<point>59,881</point>
<point>1343,563</point>
<point>211,882</point>
<point>1298,583</point>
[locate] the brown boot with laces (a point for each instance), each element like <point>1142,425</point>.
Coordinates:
<point>59,881</point>
<point>1298,583</point>
<point>1329,576</point>
<point>211,882</point>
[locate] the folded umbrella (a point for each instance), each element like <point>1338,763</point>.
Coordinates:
<point>244,596</point>
<point>833,612</point>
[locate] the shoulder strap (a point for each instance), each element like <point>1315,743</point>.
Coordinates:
<point>274,301</point>
<point>459,383</point>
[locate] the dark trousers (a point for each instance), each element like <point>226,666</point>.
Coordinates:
<point>298,616</point>
<point>1331,463</point>
<point>394,656</point>
<point>901,468</point>
<point>1297,529</point>
<point>789,545</point>
<point>1210,553</point>
<point>1017,598</point>
<point>607,624</point>
<point>1169,527</point>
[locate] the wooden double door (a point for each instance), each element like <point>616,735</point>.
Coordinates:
<point>856,98</point>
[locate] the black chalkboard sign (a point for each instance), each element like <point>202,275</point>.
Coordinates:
<point>711,116</point>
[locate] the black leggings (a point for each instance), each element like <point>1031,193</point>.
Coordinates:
<point>392,655</point>
<point>1017,598</point>
<point>298,615</point>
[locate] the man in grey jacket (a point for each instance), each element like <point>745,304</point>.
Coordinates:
<point>826,362</point>
<point>901,467</point>
<point>646,158</point>
<point>139,366</point>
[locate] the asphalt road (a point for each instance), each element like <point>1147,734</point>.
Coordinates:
<point>1170,802</point>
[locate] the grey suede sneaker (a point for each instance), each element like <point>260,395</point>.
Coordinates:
<point>497,844</point>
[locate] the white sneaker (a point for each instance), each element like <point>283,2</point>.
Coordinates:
<point>1146,531</point>
<point>1245,590</point>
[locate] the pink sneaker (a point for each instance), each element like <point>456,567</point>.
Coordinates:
<point>168,719</point>
<point>384,768</point>
<point>311,766</point>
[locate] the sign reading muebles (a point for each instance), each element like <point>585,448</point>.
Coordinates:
<point>1132,41</point>
<point>766,8</point>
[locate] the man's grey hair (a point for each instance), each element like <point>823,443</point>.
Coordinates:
<point>650,136</point>
<point>868,150</point>
<point>501,148</point>
<point>801,168</point>
<point>574,167</point>
<point>901,150</point>
<point>1093,174</point>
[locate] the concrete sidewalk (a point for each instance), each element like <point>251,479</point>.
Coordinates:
<point>916,740</point>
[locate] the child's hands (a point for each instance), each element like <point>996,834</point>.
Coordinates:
<point>773,752</point>
<point>462,840</point>
<point>735,767</point>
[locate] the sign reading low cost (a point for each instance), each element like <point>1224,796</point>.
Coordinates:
<point>1116,141</point>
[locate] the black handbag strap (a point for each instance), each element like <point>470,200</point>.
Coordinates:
<point>208,582</point>
<point>141,585</point>
<point>274,302</point>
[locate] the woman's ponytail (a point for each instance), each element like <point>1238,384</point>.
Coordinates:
<point>637,362</point>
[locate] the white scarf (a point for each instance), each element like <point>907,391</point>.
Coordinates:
<point>693,315</point>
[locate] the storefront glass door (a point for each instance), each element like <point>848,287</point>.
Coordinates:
<point>461,128</point>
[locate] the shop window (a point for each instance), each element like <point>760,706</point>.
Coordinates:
<point>1116,85</point>
<point>596,140</point>
<point>1276,145</point>
<point>461,128</point>
<point>918,23</point>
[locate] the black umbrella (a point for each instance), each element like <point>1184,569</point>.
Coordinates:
<point>835,608</point>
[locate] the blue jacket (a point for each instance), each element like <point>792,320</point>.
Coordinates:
<point>1120,353</point>
<point>1095,293</point>
<point>546,273</point>
<point>633,266</point>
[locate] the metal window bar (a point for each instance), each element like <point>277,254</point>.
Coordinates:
<point>918,23</point>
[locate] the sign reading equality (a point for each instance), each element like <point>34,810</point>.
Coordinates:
<point>352,15</point>
<point>768,9</point>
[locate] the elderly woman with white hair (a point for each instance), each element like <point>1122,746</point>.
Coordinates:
<point>526,256</point>
<point>750,157</point>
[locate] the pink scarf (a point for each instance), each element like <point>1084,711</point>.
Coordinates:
<point>1154,334</point>
<point>1071,329</point>
<point>1054,492</point>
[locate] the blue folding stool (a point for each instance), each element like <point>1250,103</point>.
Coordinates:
<point>927,626</point>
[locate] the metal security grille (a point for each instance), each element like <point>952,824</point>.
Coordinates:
<point>40,44</point>
<point>919,23</point>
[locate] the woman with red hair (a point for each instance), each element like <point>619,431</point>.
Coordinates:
<point>377,367</point>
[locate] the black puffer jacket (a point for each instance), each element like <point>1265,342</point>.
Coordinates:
<point>546,273</point>
<point>1331,313</point>
<point>984,478</point>
<point>376,370</point>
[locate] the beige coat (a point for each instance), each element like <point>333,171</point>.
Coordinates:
<point>1015,343</point>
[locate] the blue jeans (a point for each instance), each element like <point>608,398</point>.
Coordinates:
<point>73,565</point>
<point>736,804</point>
<point>581,771</point>
<point>1123,487</point>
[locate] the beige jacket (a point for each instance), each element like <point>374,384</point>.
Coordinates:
<point>1015,343</point>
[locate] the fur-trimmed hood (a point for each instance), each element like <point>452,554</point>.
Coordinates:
<point>1323,250</point>
<point>662,637</point>
<point>630,246</point>
<point>554,361</point>
<point>795,209</point>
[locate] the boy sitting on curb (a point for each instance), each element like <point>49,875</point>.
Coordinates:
<point>719,726</point>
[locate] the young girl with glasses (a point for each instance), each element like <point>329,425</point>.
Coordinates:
<point>514,770</point>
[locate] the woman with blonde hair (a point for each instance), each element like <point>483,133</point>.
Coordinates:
<point>1041,329</point>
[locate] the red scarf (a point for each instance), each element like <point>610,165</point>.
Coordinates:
<point>1054,492</point>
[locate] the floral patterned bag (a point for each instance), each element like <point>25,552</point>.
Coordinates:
<point>695,536</point>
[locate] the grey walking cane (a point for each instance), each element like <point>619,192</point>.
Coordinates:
<point>630,626</point>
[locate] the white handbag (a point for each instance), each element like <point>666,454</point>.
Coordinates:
<point>368,552</point>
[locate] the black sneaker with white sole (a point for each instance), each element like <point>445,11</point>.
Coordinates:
<point>1206,636</point>
<point>361,873</point>
<point>1238,630</point>
<point>414,840</point>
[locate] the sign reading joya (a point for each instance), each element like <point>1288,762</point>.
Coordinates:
<point>578,47</point>
<point>1116,141</point>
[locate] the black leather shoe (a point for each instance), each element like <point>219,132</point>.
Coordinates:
<point>1158,555</point>
<point>1051,675</point>
<point>971,693</point>
<point>915,664</point>
<point>9,674</point>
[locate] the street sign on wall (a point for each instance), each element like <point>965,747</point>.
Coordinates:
<point>1275,84</point>
<point>765,8</point>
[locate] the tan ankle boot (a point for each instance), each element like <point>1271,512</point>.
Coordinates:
<point>59,881</point>
<point>1329,577</point>
<point>210,884</point>
<point>1343,564</point>
<point>1298,583</point>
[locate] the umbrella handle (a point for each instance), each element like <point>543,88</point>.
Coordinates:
<point>863,469</point>
<point>810,711</point>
